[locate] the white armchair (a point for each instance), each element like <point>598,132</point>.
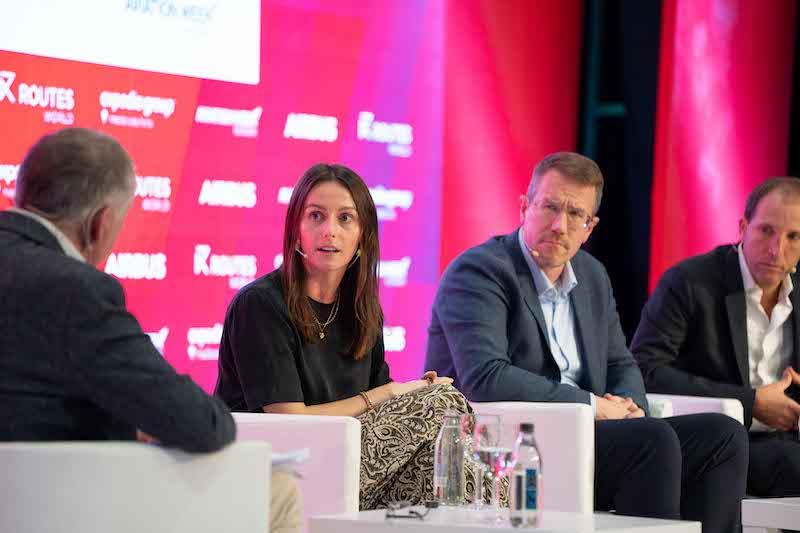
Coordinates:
<point>330,476</point>
<point>565,435</point>
<point>128,487</point>
<point>665,405</point>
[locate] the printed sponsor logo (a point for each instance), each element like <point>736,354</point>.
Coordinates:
<point>394,273</point>
<point>398,136</point>
<point>203,342</point>
<point>8,179</point>
<point>228,193</point>
<point>159,338</point>
<point>137,265</point>
<point>58,103</point>
<point>394,338</point>
<point>144,107</point>
<point>387,201</point>
<point>239,269</point>
<point>155,192</point>
<point>243,122</point>
<point>310,127</point>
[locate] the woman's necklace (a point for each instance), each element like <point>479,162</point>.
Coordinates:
<point>331,317</point>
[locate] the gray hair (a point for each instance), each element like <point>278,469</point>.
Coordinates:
<point>70,173</point>
<point>574,167</point>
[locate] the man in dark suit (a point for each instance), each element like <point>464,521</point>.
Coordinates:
<point>74,363</point>
<point>530,317</point>
<point>725,324</point>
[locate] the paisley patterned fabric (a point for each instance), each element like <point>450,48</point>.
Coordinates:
<point>397,442</point>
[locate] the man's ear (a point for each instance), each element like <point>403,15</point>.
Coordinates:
<point>595,221</point>
<point>523,205</point>
<point>742,226</point>
<point>99,224</point>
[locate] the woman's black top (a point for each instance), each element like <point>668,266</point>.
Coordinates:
<point>263,359</point>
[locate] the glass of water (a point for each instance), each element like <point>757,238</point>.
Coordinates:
<point>495,459</point>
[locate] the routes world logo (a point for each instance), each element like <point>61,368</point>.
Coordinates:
<point>58,103</point>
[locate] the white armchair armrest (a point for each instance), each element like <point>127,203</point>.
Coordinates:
<point>688,405</point>
<point>330,477</point>
<point>565,435</point>
<point>128,487</point>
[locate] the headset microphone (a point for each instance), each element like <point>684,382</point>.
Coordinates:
<point>297,249</point>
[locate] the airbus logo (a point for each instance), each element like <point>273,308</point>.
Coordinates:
<point>136,265</point>
<point>6,79</point>
<point>311,127</point>
<point>228,193</point>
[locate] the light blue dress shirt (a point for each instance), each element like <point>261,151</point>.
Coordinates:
<point>559,316</point>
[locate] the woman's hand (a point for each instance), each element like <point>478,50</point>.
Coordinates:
<point>434,379</point>
<point>428,378</point>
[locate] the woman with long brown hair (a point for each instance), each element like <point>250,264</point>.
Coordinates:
<point>307,339</point>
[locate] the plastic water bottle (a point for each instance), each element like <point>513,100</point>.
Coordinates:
<point>448,462</point>
<point>525,498</point>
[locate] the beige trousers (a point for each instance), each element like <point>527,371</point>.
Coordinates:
<point>286,505</point>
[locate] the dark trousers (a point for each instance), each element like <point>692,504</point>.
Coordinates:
<point>774,465</point>
<point>692,467</point>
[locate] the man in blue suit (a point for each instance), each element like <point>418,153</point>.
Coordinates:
<point>531,317</point>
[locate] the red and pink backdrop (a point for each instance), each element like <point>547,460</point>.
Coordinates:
<point>442,107</point>
<point>724,101</point>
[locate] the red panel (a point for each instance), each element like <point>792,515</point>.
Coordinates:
<point>723,119</point>
<point>511,96</point>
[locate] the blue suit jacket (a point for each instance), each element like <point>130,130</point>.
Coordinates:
<point>488,331</point>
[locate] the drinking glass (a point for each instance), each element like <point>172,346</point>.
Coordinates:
<point>467,429</point>
<point>496,460</point>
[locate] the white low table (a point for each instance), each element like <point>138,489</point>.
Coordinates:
<point>453,521</point>
<point>782,513</point>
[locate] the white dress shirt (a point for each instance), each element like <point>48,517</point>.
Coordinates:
<point>769,339</point>
<point>559,316</point>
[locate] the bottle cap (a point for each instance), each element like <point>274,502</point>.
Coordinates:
<point>526,427</point>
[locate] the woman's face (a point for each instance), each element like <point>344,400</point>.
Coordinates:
<point>329,229</point>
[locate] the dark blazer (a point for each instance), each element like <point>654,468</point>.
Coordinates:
<point>692,337</point>
<point>76,365</point>
<point>488,331</point>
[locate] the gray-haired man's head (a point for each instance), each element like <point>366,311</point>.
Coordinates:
<point>82,181</point>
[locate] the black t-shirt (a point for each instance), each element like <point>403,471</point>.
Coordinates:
<point>263,358</point>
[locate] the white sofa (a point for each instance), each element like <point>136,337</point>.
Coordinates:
<point>128,487</point>
<point>329,478</point>
<point>565,434</point>
<point>665,405</point>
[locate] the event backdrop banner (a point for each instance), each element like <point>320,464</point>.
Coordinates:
<point>223,105</point>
